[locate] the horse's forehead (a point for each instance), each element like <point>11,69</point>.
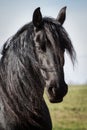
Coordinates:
<point>48,33</point>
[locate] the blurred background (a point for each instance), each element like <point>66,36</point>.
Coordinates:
<point>71,114</point>
<point>14,14</point>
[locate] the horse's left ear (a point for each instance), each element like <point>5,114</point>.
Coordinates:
<point>62,15</point>
<point>37,17</point>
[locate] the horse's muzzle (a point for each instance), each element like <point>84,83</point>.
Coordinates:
<point>56,93</point>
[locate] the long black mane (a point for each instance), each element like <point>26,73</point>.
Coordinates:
<point>20,78</point>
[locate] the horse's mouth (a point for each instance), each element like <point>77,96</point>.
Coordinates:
<point>52,100</point>
<point>55,99</point>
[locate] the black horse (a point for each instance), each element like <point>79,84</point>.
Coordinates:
<point>31,60</point>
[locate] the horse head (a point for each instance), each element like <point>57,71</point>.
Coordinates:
<point>51,41</point>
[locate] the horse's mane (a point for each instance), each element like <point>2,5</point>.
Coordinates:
<point>20,76</point>
<point>67,44</point>
<point>16,35</point>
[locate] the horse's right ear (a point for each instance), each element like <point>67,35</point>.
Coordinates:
<point>37,17</point>
<point>62,15</point>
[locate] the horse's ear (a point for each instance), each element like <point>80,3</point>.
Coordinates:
<point>37,17</point>
<point>62,15</point>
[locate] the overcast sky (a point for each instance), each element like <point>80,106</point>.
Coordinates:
<point>14,14</point>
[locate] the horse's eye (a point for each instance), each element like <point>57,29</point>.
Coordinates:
<point>43,46</point>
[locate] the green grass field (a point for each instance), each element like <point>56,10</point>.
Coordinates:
<point>71,114</point>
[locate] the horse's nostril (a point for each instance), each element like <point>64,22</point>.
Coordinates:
<point>50,89</point>
<point>53,91</point>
